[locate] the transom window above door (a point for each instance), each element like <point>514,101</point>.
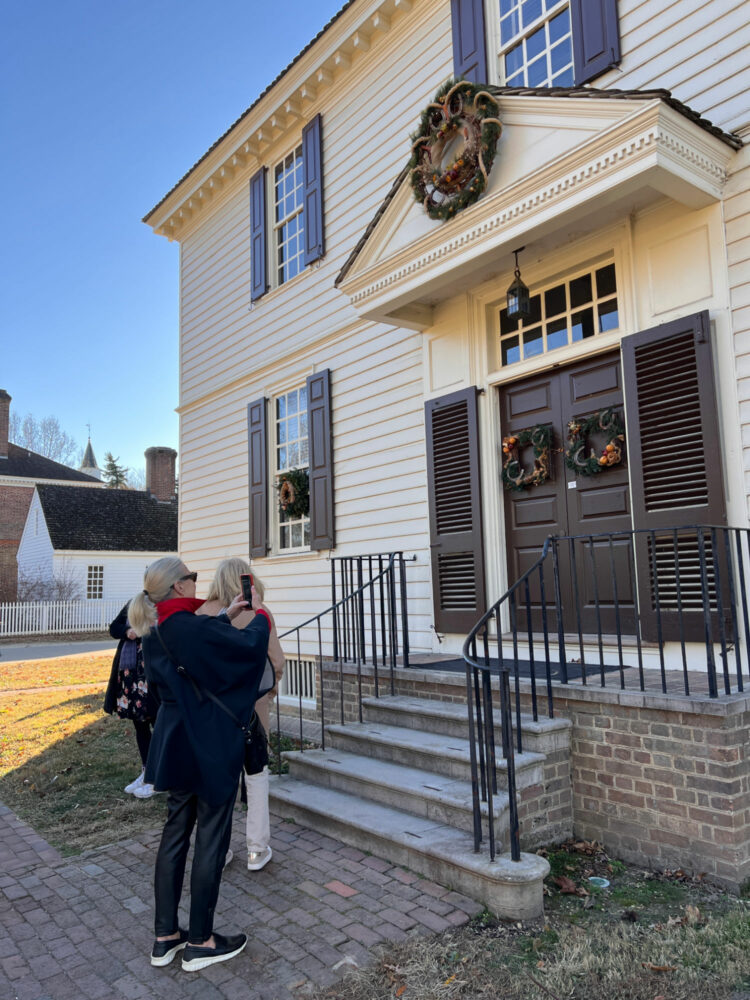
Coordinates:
<point>578,308</point>
<point>536,46</point>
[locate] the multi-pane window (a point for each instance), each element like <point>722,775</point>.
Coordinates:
<point>536,48</point>
<point>292,453</point>
<point>289,217</point>
<point>95,583</point>
<point>574,310</point>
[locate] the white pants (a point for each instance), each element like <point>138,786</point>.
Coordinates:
<point>258,829</point>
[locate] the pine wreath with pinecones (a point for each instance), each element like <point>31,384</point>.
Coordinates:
<point>515,476</point>
<point>607,422</point>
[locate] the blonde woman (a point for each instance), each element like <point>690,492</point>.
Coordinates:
<point>201,669</point>
<point>225,585</point>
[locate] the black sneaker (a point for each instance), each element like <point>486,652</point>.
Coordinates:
<point>164,951</point>
<point>195,958</point>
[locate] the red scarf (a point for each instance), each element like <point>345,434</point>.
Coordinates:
<point>166,608</point>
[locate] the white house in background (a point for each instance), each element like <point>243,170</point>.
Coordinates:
<point>355,335</point>
<point>103,540</point>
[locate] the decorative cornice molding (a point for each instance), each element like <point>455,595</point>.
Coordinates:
<point>655,136</point>
<point>286,107</point>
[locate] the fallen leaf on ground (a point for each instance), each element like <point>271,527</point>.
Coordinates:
<point>401,990</point>
<point>658,968</point>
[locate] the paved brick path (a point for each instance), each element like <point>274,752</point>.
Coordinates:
<point>82,927</point>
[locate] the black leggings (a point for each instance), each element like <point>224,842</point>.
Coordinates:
<point>184,810</point>
<point>143,738</point>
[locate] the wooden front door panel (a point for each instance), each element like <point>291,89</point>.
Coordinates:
<point>598,571</point>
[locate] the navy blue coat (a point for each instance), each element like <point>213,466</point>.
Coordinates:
<point>195,746</point>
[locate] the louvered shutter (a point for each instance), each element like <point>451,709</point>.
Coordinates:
<point>596,38</point>
<point>258,227</point>
<point>455,506</point>
<point>674,455</point>
<point>469,42</point>
<point>321,460</point>
<point>258,477</point>
<point>312,169</point>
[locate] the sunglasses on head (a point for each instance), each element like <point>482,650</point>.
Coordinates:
<point>188,576</point>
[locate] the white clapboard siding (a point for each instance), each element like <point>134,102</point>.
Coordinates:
<point>57,617</point>
<point>700,62</point>
<point>737,219</point>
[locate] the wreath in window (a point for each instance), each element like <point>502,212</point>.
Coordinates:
<point>515,476</point>
<point>294,493</point>
<point>606,422</point>
<point>453,148</point>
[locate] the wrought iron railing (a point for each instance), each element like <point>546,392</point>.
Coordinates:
<point>613,600</point>
<point>366,625</point>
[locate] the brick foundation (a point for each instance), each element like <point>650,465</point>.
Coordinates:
<point>661,780</point>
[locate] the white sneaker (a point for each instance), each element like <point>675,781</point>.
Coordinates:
<point>130,789</point>
<point>228,858</point>
<point>144,791</point>
<point>258,859</point>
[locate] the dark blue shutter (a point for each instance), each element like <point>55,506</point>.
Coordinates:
<point>596,37</point>
<point>258,254</point>
<point>257,477</point>
<point>312,167</point>
<point>320,438</point>
<point>469,42</point>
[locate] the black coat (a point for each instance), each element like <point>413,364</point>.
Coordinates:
<point>118,630</point>
<point>196,747</point>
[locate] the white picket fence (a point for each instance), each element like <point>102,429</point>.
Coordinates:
<point>50,617</point>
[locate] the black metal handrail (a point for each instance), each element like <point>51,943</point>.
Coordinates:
<point>382,598</point>
<point>684,585</point>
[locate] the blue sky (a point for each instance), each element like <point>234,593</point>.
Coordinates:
<point>104,104</point>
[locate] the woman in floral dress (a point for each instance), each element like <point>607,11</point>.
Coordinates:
<point>128,695</point>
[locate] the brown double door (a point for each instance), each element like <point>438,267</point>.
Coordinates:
<point>596,574</point>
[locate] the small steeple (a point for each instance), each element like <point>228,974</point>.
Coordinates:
<point>88,465</point>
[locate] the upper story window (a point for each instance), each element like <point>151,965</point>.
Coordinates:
<point>286,214</point>
<point>289,216</point>
<point>95,583</point>
<point>576,309</point>
<point>292,453</point>
<point>536,45</point>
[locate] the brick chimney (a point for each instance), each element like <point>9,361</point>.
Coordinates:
<point>4,422</point>
<point>160,464</point>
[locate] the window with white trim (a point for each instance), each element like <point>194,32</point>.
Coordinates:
<point>291,452</point>
<point>95,583</point>
<point>536,43</point>
<point>576,309</point>
<point>289,216</point>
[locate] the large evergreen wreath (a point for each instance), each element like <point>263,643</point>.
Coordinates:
<point>453,148</point>
<point>603,421</point>
<point>294,493</point>
<point>515,476</point>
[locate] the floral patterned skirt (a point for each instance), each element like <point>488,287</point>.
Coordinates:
<point>132,686</point>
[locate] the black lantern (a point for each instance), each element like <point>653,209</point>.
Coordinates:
<point>518,302</point>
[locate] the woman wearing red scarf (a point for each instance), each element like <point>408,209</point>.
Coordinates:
<point>197,750</point>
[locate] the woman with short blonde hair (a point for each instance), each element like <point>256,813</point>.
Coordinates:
<point>225,584</point>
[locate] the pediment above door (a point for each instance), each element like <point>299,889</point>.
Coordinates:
<point>586,158</point>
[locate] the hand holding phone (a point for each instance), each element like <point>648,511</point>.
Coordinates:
<point>246,580</point>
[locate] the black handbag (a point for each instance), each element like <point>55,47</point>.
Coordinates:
<point>256,741</point>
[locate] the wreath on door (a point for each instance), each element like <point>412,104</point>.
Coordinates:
<point>603,421</point>
<point>515,476</point>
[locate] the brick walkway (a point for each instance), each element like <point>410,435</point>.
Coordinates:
<point>82,927</point>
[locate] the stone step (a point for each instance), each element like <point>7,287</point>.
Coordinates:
<point>451,719</point>
<point>431,796</point>
<point>434,752</point>
<point>442,853</point>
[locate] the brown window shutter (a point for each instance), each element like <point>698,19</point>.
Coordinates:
<point>257,443</point>
<point>455,506</point>
<point>320,437</point>
<point>674,453</point>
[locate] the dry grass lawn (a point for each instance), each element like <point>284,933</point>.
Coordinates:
<point>63,763</point>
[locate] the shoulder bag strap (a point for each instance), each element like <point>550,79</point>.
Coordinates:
<point>200,691</point>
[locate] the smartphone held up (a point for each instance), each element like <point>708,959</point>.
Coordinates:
<point>246,579</point>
